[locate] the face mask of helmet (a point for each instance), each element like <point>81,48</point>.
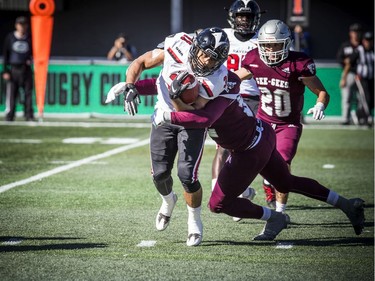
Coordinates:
<point>274,32</point>
<point>213,43</point>
<point>244,16</point>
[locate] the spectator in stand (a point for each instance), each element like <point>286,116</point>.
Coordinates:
<point>121,50</point>
<point>301,40</point>
<point>17,54</point>
<point>347,83</point>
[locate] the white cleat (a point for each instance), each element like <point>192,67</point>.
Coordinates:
<point>162,220</point>
<point>252,193</point>
<point>195,236</point>
<point>273,227</point>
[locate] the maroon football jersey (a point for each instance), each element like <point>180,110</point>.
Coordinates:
<point>282,92</point>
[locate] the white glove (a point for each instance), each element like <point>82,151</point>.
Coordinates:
<point>317,111</point>
<point>160,117</point>
<point>116,90</point>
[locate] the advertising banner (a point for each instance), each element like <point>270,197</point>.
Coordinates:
<point>82,88</point>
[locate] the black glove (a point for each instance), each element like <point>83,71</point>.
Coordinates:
<point>131,99</point>
<point>177,87</point>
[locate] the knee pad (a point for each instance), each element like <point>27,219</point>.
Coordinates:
<point>163,183</point>
<point>192,186</point>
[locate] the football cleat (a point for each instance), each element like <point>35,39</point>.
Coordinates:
<point>273,227</point>
<point>195,236</point>
<point>194,239</point>
<point>287,218</point>
<point>356,214</point>
<point>162,220</point>
<point>251,195</point>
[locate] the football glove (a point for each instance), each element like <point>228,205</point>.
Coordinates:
<point>317,111</point>
<point>177,87</point>
<point>160,117</point>
<point>116,90</point>
<point>131,99</point>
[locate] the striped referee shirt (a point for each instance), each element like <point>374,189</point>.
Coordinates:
<point>365,62</point>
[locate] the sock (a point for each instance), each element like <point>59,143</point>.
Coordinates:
<point>213,182</point>
<point>266,214</point>
<point>168,204</point>
<point>343,204</point>
<point>332,198</point>
<point>280,207</point>
<point>194,219</point>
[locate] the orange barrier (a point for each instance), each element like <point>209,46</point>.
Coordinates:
<point>41,32</point>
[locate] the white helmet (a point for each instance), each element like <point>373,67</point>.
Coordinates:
<point>274,31</point>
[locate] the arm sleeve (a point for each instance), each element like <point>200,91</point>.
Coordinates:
<point>146,87</point>
<point>201,118</point>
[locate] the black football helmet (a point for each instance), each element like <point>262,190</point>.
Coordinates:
<point>248,8</point>
<point>214,43</point>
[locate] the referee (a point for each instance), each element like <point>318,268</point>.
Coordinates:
<point>17,69</point>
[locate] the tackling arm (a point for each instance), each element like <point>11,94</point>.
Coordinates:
<point>179,105</point>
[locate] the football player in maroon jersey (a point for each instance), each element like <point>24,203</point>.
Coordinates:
<point>252,143</point>
<point>282,76</point>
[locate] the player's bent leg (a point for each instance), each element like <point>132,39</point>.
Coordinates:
<point>249,193</point>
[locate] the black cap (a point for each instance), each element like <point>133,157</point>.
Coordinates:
<point>21,20</point>
<point>368,35</point>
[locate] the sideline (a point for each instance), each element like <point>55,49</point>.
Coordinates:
<point>73,165</point>
<point>328,123</point>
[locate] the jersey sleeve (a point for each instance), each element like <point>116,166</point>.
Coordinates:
<point>308,67</point>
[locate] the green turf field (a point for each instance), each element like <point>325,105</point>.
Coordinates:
<point>70,210</point>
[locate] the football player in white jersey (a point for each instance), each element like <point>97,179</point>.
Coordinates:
<point>244,19</point>
<point>203,56</point>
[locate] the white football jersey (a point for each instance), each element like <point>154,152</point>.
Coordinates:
<point>237,52</point>
<point>176,52</point>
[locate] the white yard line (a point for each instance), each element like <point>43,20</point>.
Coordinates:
<point>73,165</point>
<point>80,124</point>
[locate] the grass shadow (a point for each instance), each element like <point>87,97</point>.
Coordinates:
<point>10,244</point>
